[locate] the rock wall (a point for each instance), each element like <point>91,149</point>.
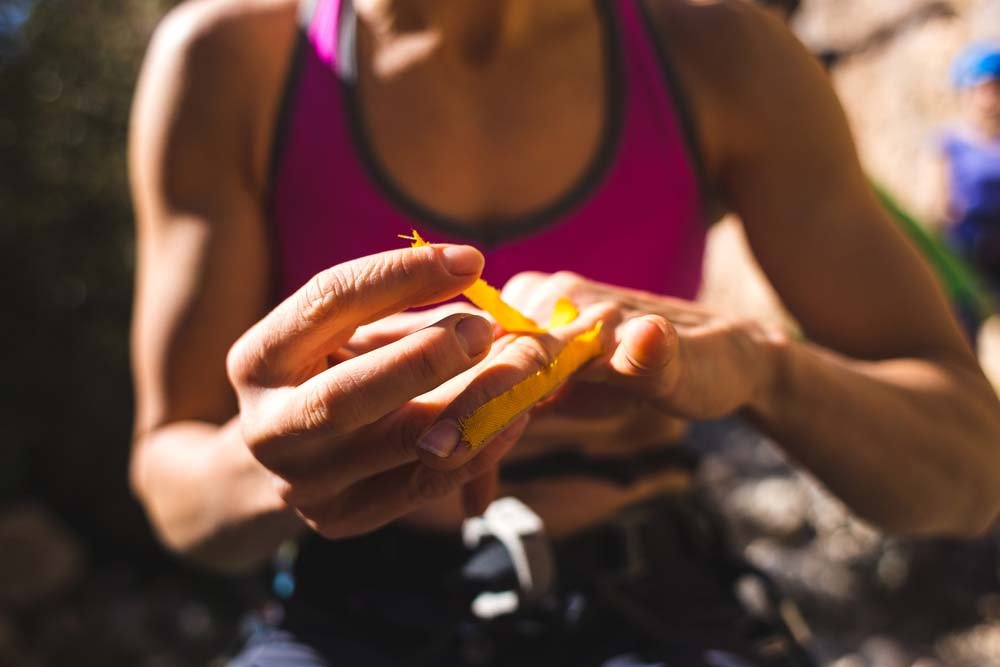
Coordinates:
<point>897,91</point>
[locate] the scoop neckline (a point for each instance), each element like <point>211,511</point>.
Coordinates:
<point>492,231</point>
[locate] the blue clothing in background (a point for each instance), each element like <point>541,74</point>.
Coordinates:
<point>976,64</point>
<point>974,167</point>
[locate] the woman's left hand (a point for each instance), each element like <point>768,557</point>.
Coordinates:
<point>682,358</point>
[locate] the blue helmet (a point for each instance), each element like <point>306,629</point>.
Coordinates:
<point>976,64</point>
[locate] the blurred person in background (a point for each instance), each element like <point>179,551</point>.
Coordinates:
<point>276,146</point>
<point>970,163</point>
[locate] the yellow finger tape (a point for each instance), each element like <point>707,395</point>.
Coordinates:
<point>494,415</point>
<point>487,297</point>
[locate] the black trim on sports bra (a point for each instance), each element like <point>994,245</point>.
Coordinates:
<point>286,103</point>
<point>688,125</point>
<point>494,231</point>
<point>279,135</point>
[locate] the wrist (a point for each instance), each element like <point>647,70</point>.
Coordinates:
<point>775,351</point>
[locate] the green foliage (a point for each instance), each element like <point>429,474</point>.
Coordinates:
<point>66,79</point>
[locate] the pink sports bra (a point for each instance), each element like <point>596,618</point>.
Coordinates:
<point>634,218</point>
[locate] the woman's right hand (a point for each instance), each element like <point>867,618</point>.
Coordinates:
<point>339,435</point>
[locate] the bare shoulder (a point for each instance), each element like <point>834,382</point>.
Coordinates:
<point>212,80</point>
<point>230,42</point>
<point>198,25</point>
<point>723,40</point>
<point>738,65</point>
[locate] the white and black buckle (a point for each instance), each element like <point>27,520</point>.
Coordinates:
<point>522,534</point>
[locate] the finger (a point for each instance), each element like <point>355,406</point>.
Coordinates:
<point>314,474</point>
<point>443,445</point>
<point>386,497</point>
<point>361,390</point>
<point>480,492</point>
<point>379,334</point>
<point>323,314</point>
<point>536,294</point>
<point>523,290</point>
<point>646,359</point>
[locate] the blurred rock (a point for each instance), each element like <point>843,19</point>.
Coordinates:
<point>885,652</point>
<point>776,507</point>
<point>978,647</point>
<point>805,572</point>
<point>39,558</point>
<point>893,569</point>
<point>852,541</point>
<point>852,660</point>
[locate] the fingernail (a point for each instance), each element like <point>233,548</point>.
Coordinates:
<point>462,260</point>
<point>475,334</point>
<point>441,439</point>
<point>658,322</point>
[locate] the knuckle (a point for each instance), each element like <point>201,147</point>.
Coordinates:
<point>566,282</point>
<point>239,363</point>
<point>432,362</point>
<point>524,280</point>
<point>393,267</point>
<point>316,410</point>
<point>335,406</point>
<point>325,292</point>
<point>531,353</point>
<point>408,265</point>
<point>610,310</point>
<point>255,429</point>
<point>345,403</point>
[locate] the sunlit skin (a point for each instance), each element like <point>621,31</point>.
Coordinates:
<point>256,423</point>
<point>982,108</point>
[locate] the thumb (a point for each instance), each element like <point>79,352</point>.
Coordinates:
<point>646,359</point>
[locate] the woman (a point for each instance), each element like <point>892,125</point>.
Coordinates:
<point>269,163</point>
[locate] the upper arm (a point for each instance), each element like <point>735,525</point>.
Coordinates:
<point>789,167</point>
<point>202,275</point>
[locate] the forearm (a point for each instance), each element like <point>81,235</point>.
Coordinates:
<point>208,498</point>
<point>910,444</point>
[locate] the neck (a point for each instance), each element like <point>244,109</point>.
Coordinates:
<point>473,31</point>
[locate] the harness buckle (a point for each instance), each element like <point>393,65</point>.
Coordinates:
<point>522,534</point>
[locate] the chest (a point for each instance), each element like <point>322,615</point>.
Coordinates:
<point>492,143</point>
